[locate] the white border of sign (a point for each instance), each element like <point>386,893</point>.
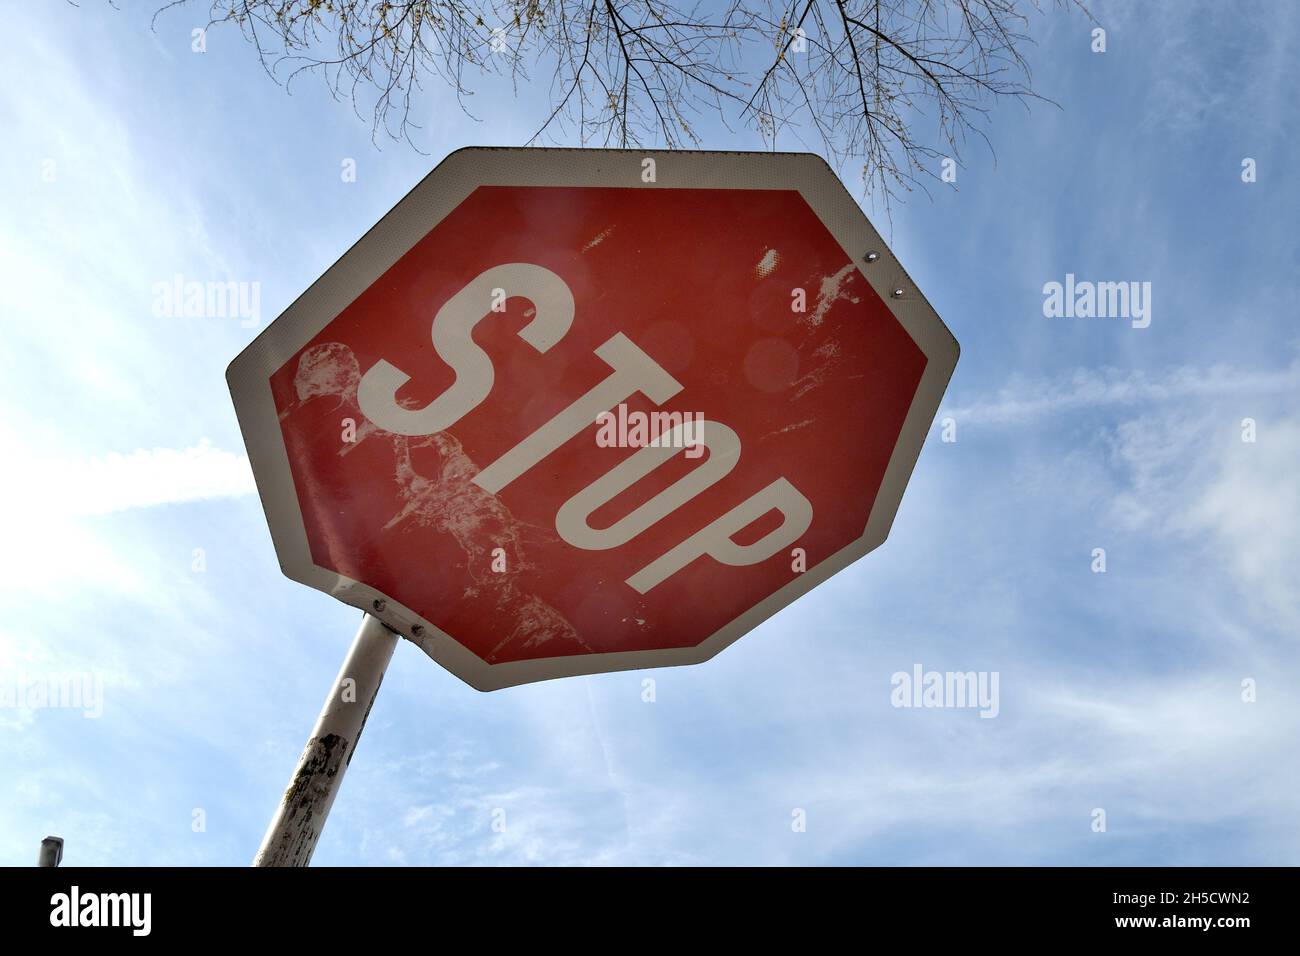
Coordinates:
<point>428,204</point>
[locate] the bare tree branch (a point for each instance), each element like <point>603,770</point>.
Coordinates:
<point>858,80</point>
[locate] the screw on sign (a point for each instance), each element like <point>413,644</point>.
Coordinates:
<point>571,411</point>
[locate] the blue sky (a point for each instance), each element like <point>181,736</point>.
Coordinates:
<point>1120,691</point>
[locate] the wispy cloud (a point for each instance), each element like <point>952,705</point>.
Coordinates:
<point>1024,400</point>
<point>144,478</point>
<point>1190,479</point>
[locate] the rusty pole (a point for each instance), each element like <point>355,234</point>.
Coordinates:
<point>297,824</point>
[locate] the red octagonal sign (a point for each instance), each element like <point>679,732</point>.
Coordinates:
<point>571,411</point>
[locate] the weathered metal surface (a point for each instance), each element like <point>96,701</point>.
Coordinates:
<point>292,836</point>
<point>51,851</point>
<point>455,427</point>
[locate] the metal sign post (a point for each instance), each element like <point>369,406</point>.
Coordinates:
<point>291,838</point>
<point>51,851</point>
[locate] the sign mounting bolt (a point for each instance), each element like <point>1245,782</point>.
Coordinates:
<point>378,605</point>
<point>871,256</point>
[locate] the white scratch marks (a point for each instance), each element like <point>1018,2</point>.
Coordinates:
<point>538,626</point>
<point>771,259</point>
<point>332,370</point>
<point>448,502</point>
<point>829,357</point>
<point>831,291</point>
<point>789,428</point>
<point>598,239</point>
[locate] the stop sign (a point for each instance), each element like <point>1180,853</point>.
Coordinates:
<point>571,411</point>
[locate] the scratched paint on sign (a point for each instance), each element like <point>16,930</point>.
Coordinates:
<point>816,397</point>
